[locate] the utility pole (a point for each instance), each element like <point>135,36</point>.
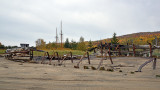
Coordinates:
<point>61,34</point>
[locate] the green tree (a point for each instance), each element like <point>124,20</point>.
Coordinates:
<point>40,44</point>
<point>51,45</point>
<point>2,46</point>
<point>114,39</point>
<point>81,44</point>
<point>73,45</point>
<point>66,44</point>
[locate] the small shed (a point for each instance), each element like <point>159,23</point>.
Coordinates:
<point>25,46</point>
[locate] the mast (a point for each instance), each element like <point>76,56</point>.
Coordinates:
<point>61,34</point>
<point>56,37</point>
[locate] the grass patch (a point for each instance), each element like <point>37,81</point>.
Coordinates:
<point>60,52</point>
<point>2,51</point>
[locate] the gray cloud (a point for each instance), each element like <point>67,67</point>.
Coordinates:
<point>27,20</point>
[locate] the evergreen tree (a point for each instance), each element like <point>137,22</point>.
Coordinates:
<point>66,44</point>
<point>73,45</point>
<point>114,39</point>
<point>90,44</point>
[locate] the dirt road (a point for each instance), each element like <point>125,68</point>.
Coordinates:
<point>29,76</point>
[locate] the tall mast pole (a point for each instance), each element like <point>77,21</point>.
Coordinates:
<point>61,34</point>
<point>56,37</point>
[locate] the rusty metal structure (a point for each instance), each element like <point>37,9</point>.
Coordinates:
<point>124,50</point>
<point>19,54</point>
<point>86,53</point>
<point>154,64</point>
<point>107,50</point>
<point>67,56</point>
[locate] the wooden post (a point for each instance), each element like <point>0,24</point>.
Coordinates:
<point>31,54</point>
<point>48,55</point>
<point>101,50</point>
<point>154,63</point>
<point>110,54</point>
<point>134,52</point>
<point>128,49</point>
<point>119,50</point>
<point>88,58</point>
<point>71,57</point>
<point>58,57</point>
<point>150,46</point>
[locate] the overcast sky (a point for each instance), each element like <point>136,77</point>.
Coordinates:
<point>24,21</point>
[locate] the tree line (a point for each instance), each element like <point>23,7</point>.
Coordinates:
<point>6,47</point>
<point>84,45</point>
<point>80,45</point>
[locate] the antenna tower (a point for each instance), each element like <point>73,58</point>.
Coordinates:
<point>61,34</point>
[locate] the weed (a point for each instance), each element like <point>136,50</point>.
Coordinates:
<point>157,76</point>
<point>76,67</point>
<point>93,68</point>
<point>86,67</point>
<point>111,70</point>
<point>120,70</point>
<point>102,68</point>
<point>132,72</point>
